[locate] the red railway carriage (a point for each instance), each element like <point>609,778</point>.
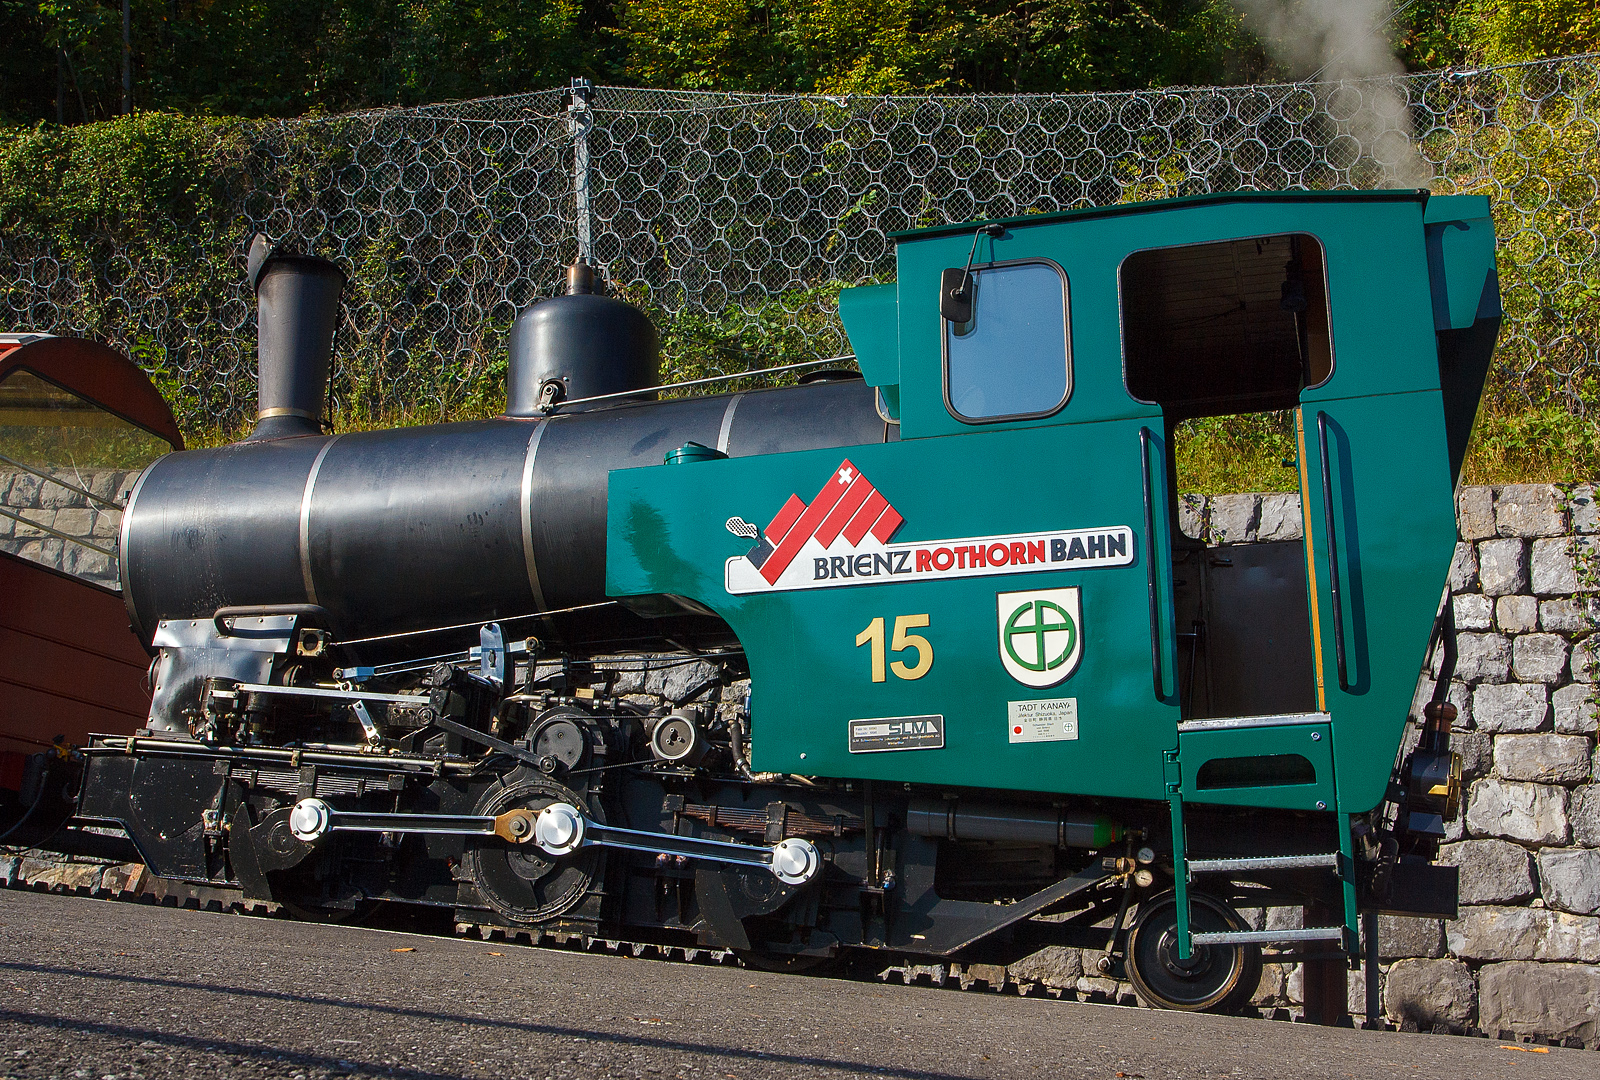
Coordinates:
<point>78,420</point>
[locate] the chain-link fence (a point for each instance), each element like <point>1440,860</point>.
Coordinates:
<point>734,217</point>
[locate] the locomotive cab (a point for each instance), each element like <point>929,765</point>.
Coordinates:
<point>1050,625</point>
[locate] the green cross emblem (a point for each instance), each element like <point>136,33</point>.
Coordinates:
<point>1048,618</point>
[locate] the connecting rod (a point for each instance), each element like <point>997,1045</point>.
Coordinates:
<point>560,829</point>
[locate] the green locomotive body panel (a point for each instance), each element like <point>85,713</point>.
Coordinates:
<point>977,604</point>
<point>811,680</point>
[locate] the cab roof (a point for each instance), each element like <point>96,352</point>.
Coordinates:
<point>1183,201</point>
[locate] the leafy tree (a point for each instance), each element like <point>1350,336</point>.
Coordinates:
<point>1507,31</point>
<point>697,45</point>
<point>289,57</point>
<point>1053,45</point>
<point>1433,34</point>
<point>889,46</point>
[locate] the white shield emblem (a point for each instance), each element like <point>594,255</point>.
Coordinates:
<point>1041,635</point>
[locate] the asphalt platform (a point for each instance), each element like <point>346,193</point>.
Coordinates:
<point>102,990</point>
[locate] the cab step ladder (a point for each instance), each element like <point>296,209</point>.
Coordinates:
<point>1186,870</point>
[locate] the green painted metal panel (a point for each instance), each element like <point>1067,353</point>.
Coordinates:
<point>872,320</point>
<point>1313,742</point>
<point>1259,198</point>
<point>1347,886</point>
<point>1460,242</point>
<point>811,679</point>
<point>1445,208</point>
<point>1082,468</point>
<point>1393,523</point>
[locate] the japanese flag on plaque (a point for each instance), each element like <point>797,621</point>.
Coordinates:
<point>1041,635</point>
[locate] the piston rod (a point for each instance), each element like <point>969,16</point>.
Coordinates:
<point>560,829</point>
<point>358,700</point>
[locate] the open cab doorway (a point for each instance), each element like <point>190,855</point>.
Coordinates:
<point>1227,335</point>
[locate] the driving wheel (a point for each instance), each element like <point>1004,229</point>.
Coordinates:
<point>521,882</point>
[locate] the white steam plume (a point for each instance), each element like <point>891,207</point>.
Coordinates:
<point>1343,41</point>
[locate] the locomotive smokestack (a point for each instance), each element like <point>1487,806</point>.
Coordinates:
<point>297,307</point>
<point>580,345</point>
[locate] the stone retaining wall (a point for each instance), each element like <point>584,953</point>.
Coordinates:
<point>1524,956</point>
<point>65,511</point>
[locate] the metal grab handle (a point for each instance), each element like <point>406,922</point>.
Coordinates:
<point>1333,551</point>
<point>253,611</point>
<point>1150,566</point>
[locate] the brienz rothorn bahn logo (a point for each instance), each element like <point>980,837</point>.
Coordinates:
<point>1040,639</point>
<point>843,538</point>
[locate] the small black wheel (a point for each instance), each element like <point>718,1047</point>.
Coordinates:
<point>307,899</point>
<point>1215,978</point>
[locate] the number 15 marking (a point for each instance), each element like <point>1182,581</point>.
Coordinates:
<point>902,641</point>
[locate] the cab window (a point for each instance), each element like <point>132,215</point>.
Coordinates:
<point>1012,359</point>
<point>1224,336</point>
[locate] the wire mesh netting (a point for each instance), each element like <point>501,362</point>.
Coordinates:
<point>735,218</point>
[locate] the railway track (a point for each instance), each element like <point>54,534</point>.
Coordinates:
<point>130,883</point>
<point>133,884</point>
<point>138,989</point>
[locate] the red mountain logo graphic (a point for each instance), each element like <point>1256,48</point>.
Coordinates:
<point>847,504</point>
